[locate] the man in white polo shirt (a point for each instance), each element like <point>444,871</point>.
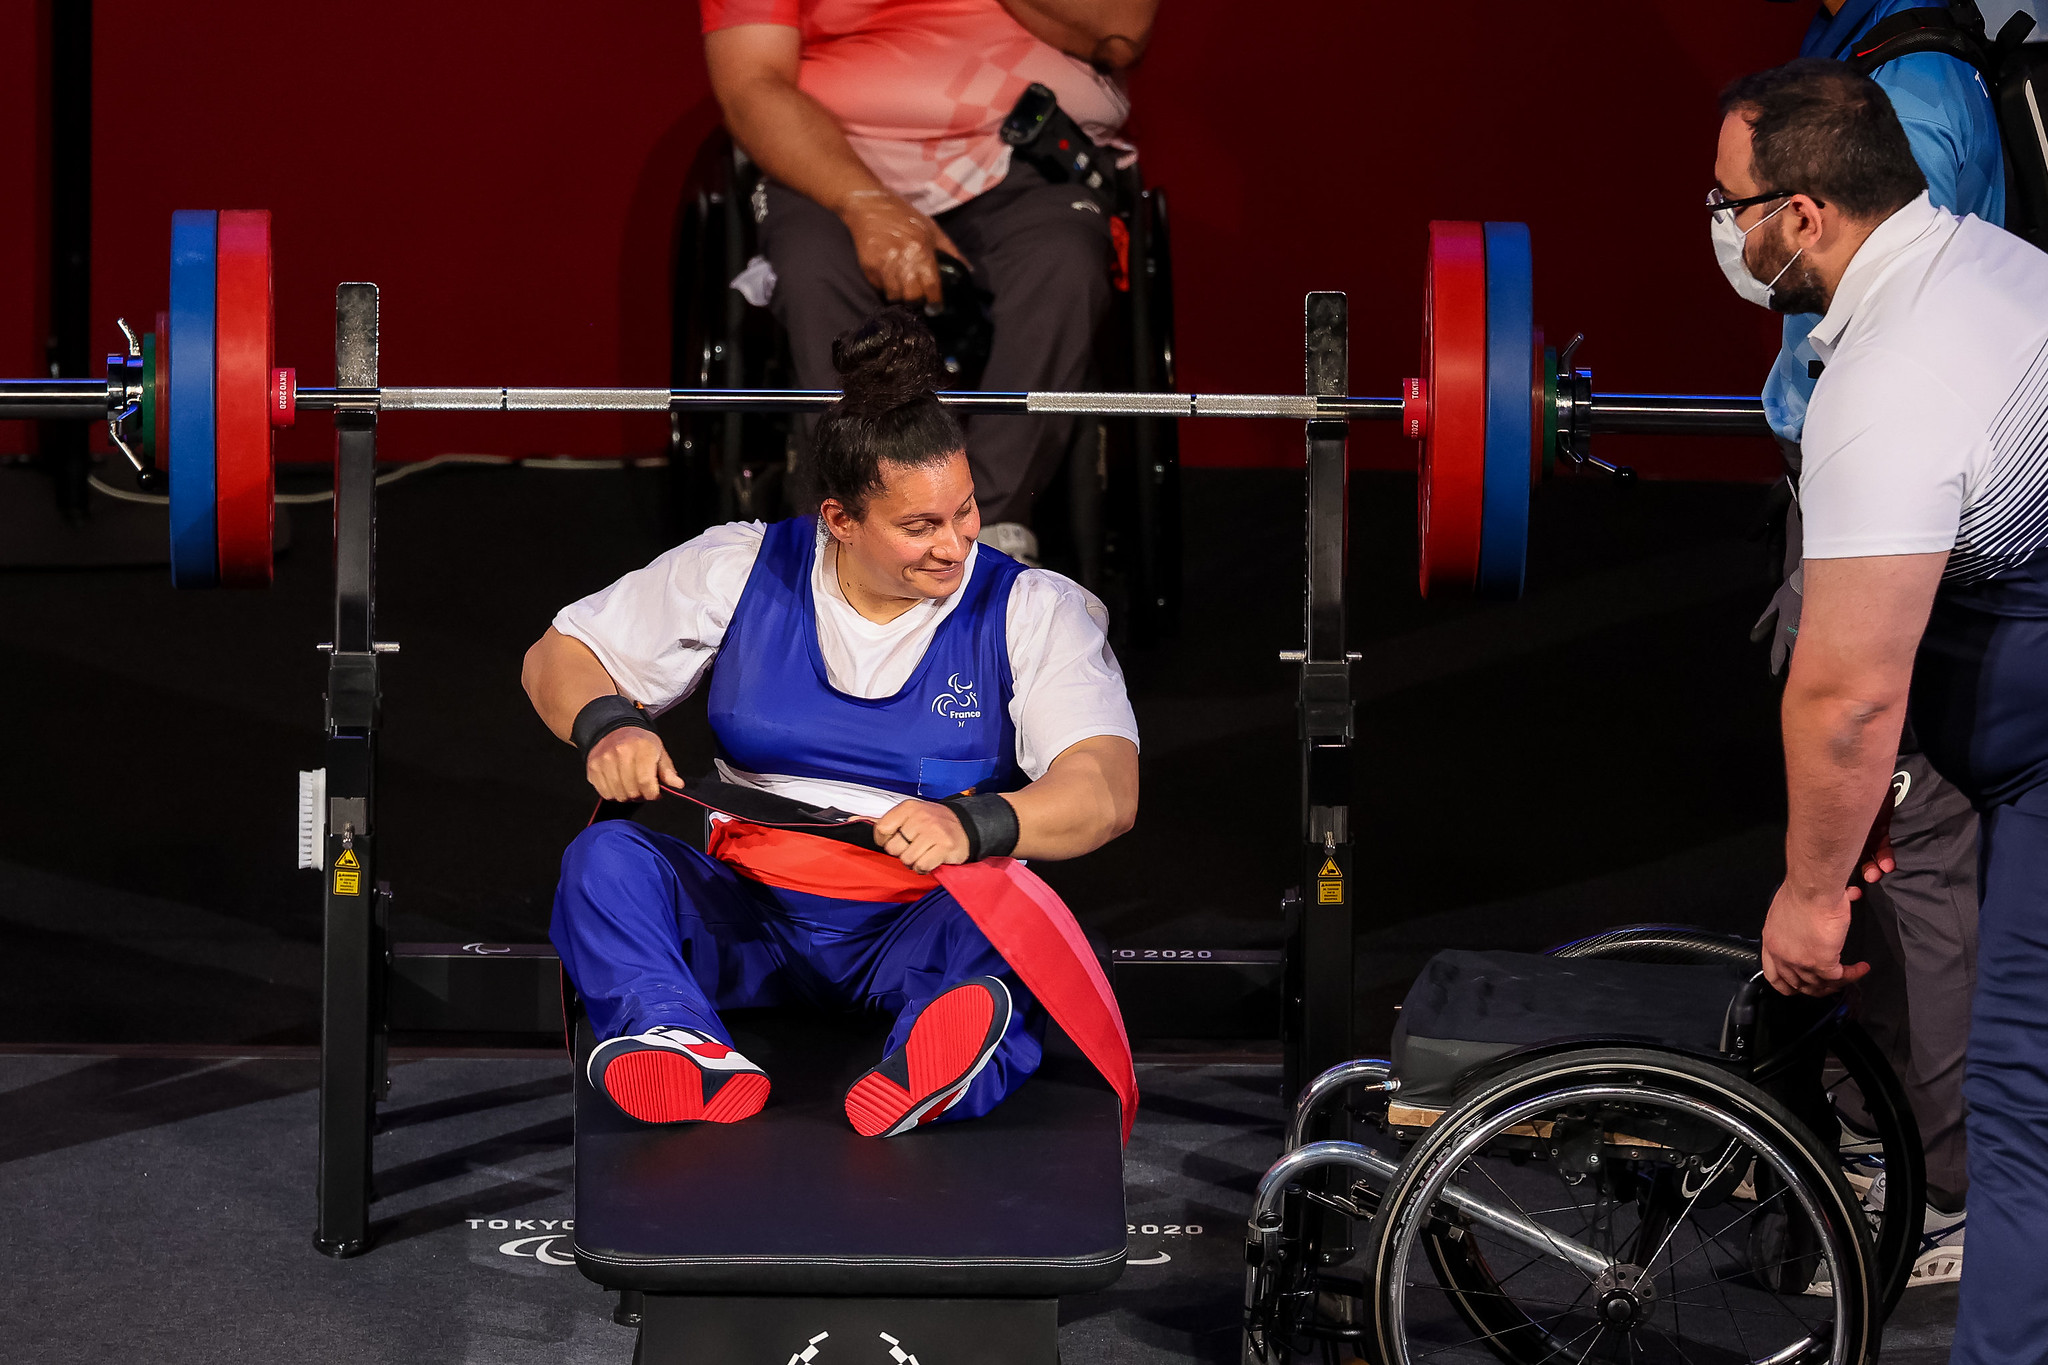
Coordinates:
<point>1925,492</point>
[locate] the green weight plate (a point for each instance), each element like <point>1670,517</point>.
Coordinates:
<point>146,437</point>
<point>1549,411</point>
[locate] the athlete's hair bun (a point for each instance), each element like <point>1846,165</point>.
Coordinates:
<point>889,412</point>
<point>886,362</point>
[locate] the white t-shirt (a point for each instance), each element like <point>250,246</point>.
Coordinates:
<point>1928,428</point>
<point>657,631</point>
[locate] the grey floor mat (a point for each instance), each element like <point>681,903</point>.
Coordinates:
<point>161,1210</point>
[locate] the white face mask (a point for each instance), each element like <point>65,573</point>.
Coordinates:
<point>1729,241</point>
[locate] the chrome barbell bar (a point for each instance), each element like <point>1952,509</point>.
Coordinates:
<point>1647,414</point>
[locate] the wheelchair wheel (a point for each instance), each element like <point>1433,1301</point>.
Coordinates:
<point>1590,1206</point>
<point>1828,1056</point>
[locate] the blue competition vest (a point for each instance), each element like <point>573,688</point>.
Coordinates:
<point>946,732</point>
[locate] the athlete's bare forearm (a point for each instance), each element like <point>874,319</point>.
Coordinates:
<point>1087,797</point>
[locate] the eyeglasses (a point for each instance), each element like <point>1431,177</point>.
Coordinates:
<point>1718,202</point>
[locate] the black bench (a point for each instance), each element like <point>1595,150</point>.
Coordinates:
<point>790,1233</point>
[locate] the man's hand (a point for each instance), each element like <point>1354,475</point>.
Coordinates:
<point>922,835</point>
<point>1802,948</point>
<point>896,245</point>
<point>1877,860</point>
<point>631,764</point>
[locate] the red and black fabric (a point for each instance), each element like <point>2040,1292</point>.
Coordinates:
<point>784,843</point>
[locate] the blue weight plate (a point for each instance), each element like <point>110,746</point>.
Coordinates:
<point>195,559</point>
<point>1510,331</point>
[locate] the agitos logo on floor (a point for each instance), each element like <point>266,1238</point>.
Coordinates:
<point>814,1353</point>
<point>546,1239</point>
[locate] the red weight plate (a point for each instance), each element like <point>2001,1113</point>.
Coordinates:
<point>1451,492</point>
<point>244,476</point>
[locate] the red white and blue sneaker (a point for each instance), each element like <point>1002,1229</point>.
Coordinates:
<point>948,1046</point>
<point>677,1075</point>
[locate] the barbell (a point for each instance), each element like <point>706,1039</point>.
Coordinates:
<point>195,403</point>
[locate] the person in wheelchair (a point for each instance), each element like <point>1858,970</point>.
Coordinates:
<point>877,124</point>
<point>870,659</point>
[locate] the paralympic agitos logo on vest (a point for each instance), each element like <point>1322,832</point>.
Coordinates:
<point>958,701</point>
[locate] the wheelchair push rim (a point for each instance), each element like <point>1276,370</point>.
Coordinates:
<point>1698,1290</point>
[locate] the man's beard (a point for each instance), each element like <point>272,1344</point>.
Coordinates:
<point>1799,288</point>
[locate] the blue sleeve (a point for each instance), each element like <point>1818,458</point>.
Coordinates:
<point>1952,130</point>
<point>1790,384</point>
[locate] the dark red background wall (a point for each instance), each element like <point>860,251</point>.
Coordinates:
<point>508,173</point>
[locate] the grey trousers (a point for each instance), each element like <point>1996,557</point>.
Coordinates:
<point>1042,250</point>
<point>1918,932</point>
<point>1917,929</point>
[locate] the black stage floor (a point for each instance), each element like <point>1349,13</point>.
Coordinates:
<point>161,1208</point>
<point>1602,752</point>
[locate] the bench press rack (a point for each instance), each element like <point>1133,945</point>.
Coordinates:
<point>1494,411</point>
<point>361,969</point>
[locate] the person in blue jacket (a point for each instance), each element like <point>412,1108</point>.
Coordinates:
<point>1920,931</point>
<point>1953,131</point>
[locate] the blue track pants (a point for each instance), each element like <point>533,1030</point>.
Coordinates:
<point>2003,1318</point>
<point>653,932</point>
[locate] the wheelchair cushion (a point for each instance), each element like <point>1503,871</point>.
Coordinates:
<point>1027,1200</point>
<point>1470,1012</point>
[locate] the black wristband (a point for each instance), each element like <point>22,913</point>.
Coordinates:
<point>603,716</point>
<point>990,822</point>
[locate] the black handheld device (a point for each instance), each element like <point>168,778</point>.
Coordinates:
<point>1047,137</point>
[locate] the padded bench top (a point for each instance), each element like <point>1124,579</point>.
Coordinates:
<point>1027,1200</point>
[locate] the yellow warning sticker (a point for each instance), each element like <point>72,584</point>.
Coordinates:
<point>1330,869</point>
<point>348,874</point>
<point>1329,893</point>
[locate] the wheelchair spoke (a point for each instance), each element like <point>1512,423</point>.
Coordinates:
<point>1598,1329</point>
<point>1776,1301</point>
<point>1730,1226</point>
<point>1479,1340</point>
<point>1720,1169</point>
<point>1781,1311</point>
<point>1519,1209</point>
<point>1562,1307</point>
<point>1722,1287</point>
<point>1672,1342</point>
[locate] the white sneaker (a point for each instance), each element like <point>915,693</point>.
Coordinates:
<point>1014,539</point>
<point>1862,1161</point>
<point>1941,1250</point>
